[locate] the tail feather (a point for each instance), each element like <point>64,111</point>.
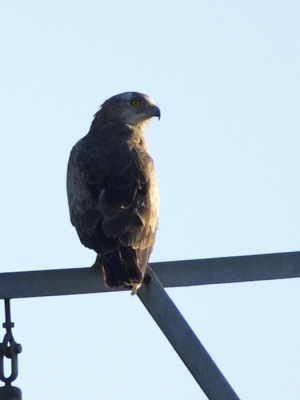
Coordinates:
<point>121,268</point>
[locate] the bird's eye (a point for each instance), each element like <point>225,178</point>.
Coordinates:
<point>136,103</point>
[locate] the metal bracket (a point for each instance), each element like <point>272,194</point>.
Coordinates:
<point>10,349</point>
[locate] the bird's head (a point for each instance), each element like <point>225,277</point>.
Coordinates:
<point>132,108</point>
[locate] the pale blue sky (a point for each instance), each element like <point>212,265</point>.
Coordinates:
<point>226,77</point>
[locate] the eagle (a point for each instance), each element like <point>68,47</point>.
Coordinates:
<point>112,189</point>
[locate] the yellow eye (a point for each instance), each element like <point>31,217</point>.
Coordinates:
<point>136,103</point>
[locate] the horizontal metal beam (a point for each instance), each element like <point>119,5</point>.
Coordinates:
<point>55,282</point>
<point>228,269</point>
<point>171,274</point>
<point>184,341</point>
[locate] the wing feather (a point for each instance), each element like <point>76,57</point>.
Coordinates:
<point>120,203</point>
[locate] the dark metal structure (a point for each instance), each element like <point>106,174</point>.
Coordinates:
<point>157,301</point>
<point>10,349</point>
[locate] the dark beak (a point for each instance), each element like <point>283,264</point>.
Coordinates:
<point>155,112</point>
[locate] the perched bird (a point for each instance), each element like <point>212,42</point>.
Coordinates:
<point>112,189</point>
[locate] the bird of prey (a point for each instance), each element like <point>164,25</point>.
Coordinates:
<point>112,189</point>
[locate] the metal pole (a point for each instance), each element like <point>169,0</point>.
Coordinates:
<point>184,341</point>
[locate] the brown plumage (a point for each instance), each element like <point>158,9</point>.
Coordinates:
<point>112,189</point>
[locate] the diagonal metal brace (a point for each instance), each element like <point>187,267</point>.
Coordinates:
<point>184,341</point>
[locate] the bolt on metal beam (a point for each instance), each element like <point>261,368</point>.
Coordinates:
<point>184,341</point>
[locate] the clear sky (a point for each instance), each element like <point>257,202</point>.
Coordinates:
<point>226,77</point>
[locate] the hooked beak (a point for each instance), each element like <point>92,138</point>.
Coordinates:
<point>155,112</point>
